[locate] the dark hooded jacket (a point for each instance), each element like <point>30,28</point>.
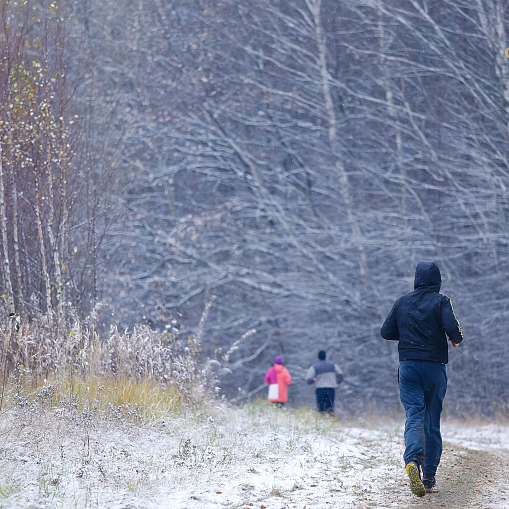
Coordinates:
<point>421,319</point>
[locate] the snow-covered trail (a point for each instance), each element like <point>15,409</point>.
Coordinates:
<point>365,471</point>
<point>256,457</point>
<point>467,479</point>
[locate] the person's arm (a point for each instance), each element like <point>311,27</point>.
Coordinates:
<point>339,374</point>
<point>267,379</point>
<point>450,323</point>
<point>311,376</point>
<point>288,378</point>
<point>389,329</point>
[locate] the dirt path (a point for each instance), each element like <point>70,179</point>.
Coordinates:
<point>464,479</point>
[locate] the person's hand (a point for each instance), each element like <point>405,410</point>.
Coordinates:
<point>454,344</point>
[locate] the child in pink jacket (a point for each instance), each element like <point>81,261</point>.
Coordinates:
<point>278,378</point>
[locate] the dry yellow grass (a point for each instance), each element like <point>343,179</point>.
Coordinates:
<point>140,374</point>
<point>145,399</point>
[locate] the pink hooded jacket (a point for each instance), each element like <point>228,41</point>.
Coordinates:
<point>279,375</point>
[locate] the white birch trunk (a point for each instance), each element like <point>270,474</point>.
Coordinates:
<point>54,247</point>
<point>9,297</point>
<point>16,242</point>
<point>64,229</point>
<point>314,7</point>
<point>41,245</point>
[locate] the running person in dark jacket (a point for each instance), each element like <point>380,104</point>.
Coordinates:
<point>326,377</point>
<point>422,321</point>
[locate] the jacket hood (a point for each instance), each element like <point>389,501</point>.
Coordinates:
<point>427,274</point>
<point>279,368</point>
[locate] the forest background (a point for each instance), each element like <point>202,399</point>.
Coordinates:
<point>268,170</point>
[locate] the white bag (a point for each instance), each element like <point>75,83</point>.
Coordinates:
<point>273,391</point>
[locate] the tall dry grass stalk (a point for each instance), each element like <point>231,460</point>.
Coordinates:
<point>110,397</point>
<point>36,351</point>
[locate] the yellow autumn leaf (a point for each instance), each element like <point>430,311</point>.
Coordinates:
<point>4,297</point>
<point>356,489</point>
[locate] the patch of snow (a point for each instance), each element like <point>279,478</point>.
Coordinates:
<point>481,437</point>
<point>240,458</point>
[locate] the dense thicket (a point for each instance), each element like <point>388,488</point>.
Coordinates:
<point>52,196</point>
<point>295,159</point>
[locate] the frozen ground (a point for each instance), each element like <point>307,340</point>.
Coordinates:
<point>477,437</point>
<point>256,457</point>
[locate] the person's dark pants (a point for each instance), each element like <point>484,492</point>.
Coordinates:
<point>422,387</point>
<point>325,399</point>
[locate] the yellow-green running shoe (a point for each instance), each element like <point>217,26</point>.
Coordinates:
<point>412,469</point>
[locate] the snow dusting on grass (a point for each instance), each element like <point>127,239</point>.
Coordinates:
<point>254,457</point>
